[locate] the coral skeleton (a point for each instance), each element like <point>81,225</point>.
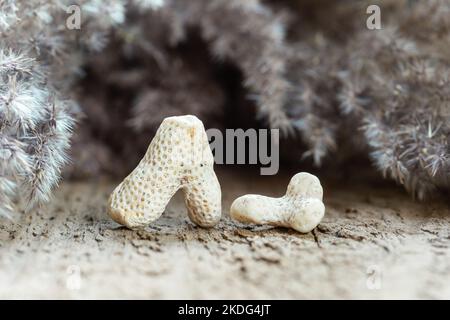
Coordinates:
<point>178,157</point>
<point>301,208</point>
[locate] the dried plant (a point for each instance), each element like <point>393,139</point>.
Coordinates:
<point>389,86</point>
<point>38,61</point>
<point>35,127</point>
<point>253,40</point>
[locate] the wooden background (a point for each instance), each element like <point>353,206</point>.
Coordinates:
<point>374,242</point>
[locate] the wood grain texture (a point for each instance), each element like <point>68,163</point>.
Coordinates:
<point>366,229</point>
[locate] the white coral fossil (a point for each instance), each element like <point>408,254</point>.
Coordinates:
<point>178,157</point>
<point>301,208</point>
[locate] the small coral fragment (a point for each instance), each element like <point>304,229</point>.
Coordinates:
<point>301,208</point>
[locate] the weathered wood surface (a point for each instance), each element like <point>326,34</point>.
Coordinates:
<point>373,243</point>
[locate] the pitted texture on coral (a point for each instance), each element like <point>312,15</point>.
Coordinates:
<point>201,196</point>
<point>178,157</point>
<point>301,208</point>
